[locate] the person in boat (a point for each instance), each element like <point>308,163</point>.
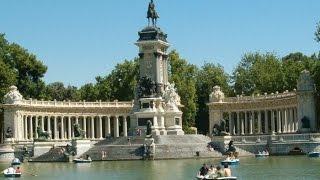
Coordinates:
<point>204,170</point>
<point>226,171</point>
<point>220,172</point>
<point>228,158</point>
<point>88,157</point>
<point>212,172</point>
<point>18,170</point>
<point>11,170</point>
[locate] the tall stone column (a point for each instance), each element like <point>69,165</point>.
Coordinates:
<point>92,127</point>
<point>49,125</point>
<point>55,128</point>
<point>85,126</point>
<point>285,120</point>
<point>37,125</point>
<point>108,127</point>
<point>100,127</point>
<point>116,126</point>
<point>31,127</point>
<point>230,122</point>
<point>289,120</point>
<point>125,133</point>
<point>295,120</point>
<point>266,124</point>
<point>251,123</point>
<point>259,122</point>
<point>279,120</point>
<point>25,127</point>
<point>69,127</point>
<point>242,126</point>
<point>42,123</point>
<point>272,122</point>
<point>245,123</point>
<point>62,127</point>
<point>238,123</point>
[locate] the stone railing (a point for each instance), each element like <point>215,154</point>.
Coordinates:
<point>280,138</point>
<point>31,102</point>
<point>260,97</point>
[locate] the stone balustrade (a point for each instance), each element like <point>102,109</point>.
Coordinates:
<point>258,97</point>
<point>280,137</point>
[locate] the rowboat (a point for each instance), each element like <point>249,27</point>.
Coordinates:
<point>199,177</point>
<point>262,154</point>
<point>82,160</point>
<point>314,154</point>
<point>230,161</point>
<point>6,173</point>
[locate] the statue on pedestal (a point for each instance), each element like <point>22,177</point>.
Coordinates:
<point>220,129</point>
<point>152,14</point>
<point>9,133</point>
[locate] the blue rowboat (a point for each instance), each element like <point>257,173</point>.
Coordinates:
<point>314,154</point>
<point>230,162</point>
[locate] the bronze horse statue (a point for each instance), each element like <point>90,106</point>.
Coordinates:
<point>78,132</point>
<point>152,14</point>
<point>43,134</point>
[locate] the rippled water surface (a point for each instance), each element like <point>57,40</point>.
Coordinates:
<point>279,167</point>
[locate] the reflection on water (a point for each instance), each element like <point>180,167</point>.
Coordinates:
<point>281,167</point>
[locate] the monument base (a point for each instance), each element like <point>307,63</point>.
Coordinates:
<point>41,147</point>
<point>175,130</point>
<point>6,153</point>
<point>81,146</point>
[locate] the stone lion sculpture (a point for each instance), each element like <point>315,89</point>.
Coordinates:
<point>78,132</point>
<point>42,134</point>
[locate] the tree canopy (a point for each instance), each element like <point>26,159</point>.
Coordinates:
<point>317,33</point>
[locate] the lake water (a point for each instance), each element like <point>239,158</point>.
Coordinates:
<point>278,167</point>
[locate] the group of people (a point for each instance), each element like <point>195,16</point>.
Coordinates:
<point>12,170</point>
<point>214,172</point>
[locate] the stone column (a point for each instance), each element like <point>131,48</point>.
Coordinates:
<point>289,120</point>
<point>116,126</point>
<point>31,127</point>
<point>69,128</point>
<point>279,120</point>
<point>55,128</point>
<point>37,125</point>
<point>77,119</point>
<point>272,122</point>
<point>295,119</point>
<point>238,123</point>
<point>62,127</point>
<point>230,124</point>
<point>49,125</point>
<point>251,120</point>
<point>100,127</point>
<point>25,127</point>
<point>266,124</point>
<point>92,127</point>
<point>125,133</point>
<point>259,122</point>
<point>242,126</point>
<point>245,123</point>
<point>85,126</point>
<point>42,123</point>
<point>108,129</point>
<point>285,120</point>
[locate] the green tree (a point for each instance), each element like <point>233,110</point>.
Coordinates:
<point>183,75</point>
<point>89,92</point>
<point>7,78</point>
<point>317,33</point>
<point>59,92</point>
<point>207,77</point>
<point>27,69</point>
<point>120,83</point>
<point>258,73</point>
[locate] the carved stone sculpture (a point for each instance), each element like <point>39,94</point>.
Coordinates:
<point>78,132</point>
<point>9,133</point>
<point>171,96</point>
<point>13,96</point>
<point>217,95</point>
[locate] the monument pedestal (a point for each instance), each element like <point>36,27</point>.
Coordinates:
<point>81,146</point>
<point>6,153</point>
<point>41,147</point>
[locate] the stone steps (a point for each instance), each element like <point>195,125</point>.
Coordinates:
<point>57,155</point>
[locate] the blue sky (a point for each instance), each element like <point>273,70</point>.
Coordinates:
<point>81,39</point>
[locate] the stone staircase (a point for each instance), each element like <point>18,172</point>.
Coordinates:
<point>116,152</point>
<point>54,155</point>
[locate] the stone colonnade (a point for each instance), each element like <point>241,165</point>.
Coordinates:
<point>263,121</point>
<point>61,127</point>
